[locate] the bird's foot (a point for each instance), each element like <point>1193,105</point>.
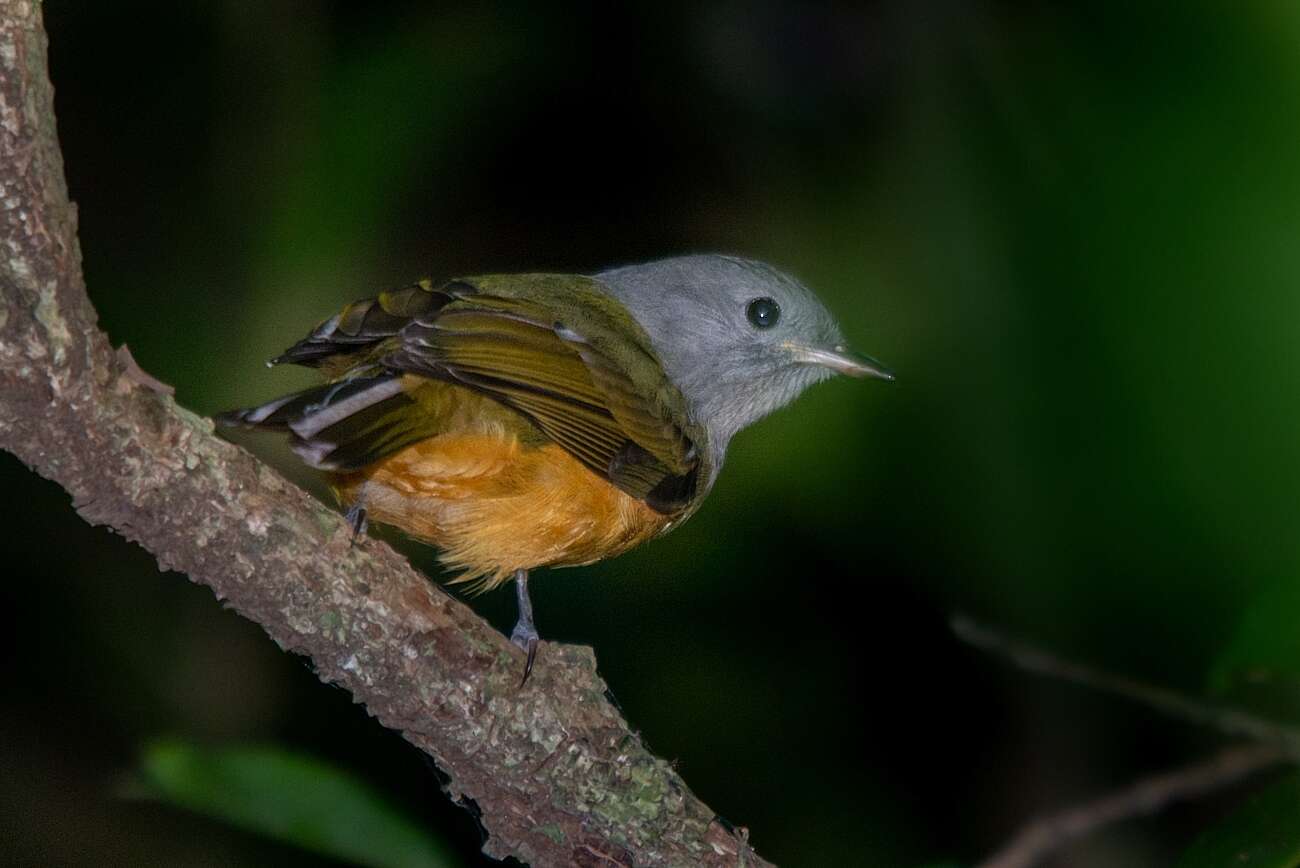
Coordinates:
<point>357,520</point>
<point>525,634</point>
<point>526,639</point>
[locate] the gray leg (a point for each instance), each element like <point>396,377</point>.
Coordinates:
<point>525,634</point>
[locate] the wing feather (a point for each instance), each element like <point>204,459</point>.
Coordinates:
<point>553,348</point>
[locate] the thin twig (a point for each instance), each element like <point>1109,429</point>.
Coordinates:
<point>1271,744</point>
<point>1230,721</point>
<point>1038,840</point>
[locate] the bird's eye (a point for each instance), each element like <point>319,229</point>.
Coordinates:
<point>763,312</point>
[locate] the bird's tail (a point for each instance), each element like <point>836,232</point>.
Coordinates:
<point>340,426</point>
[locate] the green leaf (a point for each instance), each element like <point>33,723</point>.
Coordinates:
<point>1259,667</point>
<point>1265,639</point>
<point>288,797</point>
<point>1263,833</point>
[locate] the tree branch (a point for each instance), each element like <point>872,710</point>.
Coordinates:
<point>1228,720</point>
<point>554,769</point>
<point>1038,840</point>
<point>1274,744</point>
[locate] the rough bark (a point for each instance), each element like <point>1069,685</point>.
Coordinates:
<point>557,774</point>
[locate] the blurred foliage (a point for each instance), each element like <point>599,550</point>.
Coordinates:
<point>1071,228</point>
<point>1264,833</point>
<point>292,798</point>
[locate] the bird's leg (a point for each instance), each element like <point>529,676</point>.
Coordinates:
<point>358,520</point>
<point>525,633</point>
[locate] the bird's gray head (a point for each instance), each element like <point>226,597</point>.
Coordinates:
<point>738,337</point>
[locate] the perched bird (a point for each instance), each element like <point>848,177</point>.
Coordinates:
<point>518,421</point>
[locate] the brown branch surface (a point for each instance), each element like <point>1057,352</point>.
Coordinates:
<point>554,769</point>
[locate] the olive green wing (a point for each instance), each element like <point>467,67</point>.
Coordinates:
<point>553,348</point>
<point>562,353</point>
<point>336,344</point>
<point>365,412</point>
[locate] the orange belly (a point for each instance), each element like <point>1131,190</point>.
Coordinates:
<point>493,505</point>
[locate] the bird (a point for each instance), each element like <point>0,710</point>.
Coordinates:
<point>522,421</point>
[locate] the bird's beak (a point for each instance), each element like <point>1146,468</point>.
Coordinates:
<point>842,360</point>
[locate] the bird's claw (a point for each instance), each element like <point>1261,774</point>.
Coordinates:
<point>527,640</point>
<point>359,521</point>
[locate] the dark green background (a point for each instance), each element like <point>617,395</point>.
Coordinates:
<point>1073,229</point>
